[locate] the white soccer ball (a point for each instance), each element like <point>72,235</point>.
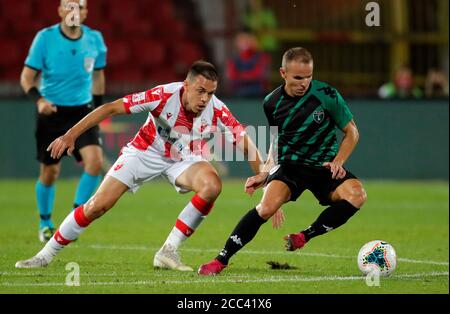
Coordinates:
<point>377,256</point>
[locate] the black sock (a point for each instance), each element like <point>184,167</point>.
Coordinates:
<point>45,217</point>
<point>242,234</point>
<point>332,217</point>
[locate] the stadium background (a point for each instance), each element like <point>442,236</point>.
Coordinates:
<point>150,42</point>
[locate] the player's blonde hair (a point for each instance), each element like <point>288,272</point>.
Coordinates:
<point>298,54</point>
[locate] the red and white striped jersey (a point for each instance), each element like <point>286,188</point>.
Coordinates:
<point>173,131</point>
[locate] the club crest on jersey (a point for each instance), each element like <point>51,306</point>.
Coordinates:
<point>89,64</point>
<point>318,116</point>
<point>138,97</point>
<point>168,115</point>
<point>203,125</point>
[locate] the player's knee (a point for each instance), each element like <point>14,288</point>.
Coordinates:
<point>93,166</point>
<point>357,197</point>
<point>267,209</point>
<point>97,206</point>
<point>49,175</point>
<point>211,188</point>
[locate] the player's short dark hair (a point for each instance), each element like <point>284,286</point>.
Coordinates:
<point>298,54</point>
<point>206,69</point>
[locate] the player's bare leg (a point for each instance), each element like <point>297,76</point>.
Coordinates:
<point>76,222</point>
<point>276,194</point>
<point>92,156</point>
<point>346,200</point>
<point>45,195</point>
<point>202,179</point>
<point>352,191</point>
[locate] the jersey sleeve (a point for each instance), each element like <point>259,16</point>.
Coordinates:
<point>144,101</point>
<point>339,110</point>
<point>35,58</point>
<point>269,114</point>
<point>100,61</point>
<point>228,124</point>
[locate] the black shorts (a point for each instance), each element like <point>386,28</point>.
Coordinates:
<point>299,178</point>
<point>48,128</point>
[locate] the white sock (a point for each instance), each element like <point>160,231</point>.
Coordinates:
<point>188,220</point>
<point>50,250</point>
<point>74,224</point>
<point>175,238</point>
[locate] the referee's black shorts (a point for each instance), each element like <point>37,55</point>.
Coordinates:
<point>300,178</point>
<point>48,128</point>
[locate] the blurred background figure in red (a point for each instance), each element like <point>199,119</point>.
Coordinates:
<point>248,69</point>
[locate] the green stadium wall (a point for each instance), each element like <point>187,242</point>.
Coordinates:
<point>398,139</point>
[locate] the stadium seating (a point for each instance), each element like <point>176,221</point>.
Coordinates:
<point>10,55</point>
<point>142,36</point>
<point>118,52</point>
<point>148,52</point>
<point>12,10</point>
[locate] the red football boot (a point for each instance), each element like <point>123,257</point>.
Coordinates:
<point>295,241</point>
<point>212,268</point>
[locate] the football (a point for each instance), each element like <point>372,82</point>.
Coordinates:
<point>377,256</point>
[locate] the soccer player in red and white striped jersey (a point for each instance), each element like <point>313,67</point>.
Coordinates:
<point>169,144</point>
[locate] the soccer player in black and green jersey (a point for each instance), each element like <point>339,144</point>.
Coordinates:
<point>307,113</point>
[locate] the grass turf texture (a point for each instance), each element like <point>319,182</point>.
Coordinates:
<point>115,253</point>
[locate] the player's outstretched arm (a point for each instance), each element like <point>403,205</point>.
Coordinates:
<point>251,153</point>
<point>351,137</point>
<point>67,141</point>
<point>257,181</point>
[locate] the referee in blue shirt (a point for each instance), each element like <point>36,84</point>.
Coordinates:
<point>63,75</point>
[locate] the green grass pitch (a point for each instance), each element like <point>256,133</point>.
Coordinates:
<point>115,254</point>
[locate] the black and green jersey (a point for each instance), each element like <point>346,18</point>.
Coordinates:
<point>307,124</point>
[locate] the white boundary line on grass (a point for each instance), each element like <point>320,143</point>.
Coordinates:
<point>220,280</point>
<point>143,248</point>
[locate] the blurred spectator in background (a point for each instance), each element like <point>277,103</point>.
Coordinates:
<point>401,87</point>
<point>261,21</point>
<point>249,69</point>
<point>436,84</point>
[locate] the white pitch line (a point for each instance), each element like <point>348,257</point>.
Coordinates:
<point>43,274</point>
<point>144,248</point>
<point>407,260</point>
<point>218,280</point>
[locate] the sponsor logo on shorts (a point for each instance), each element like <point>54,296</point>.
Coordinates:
<point>118,166</point>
